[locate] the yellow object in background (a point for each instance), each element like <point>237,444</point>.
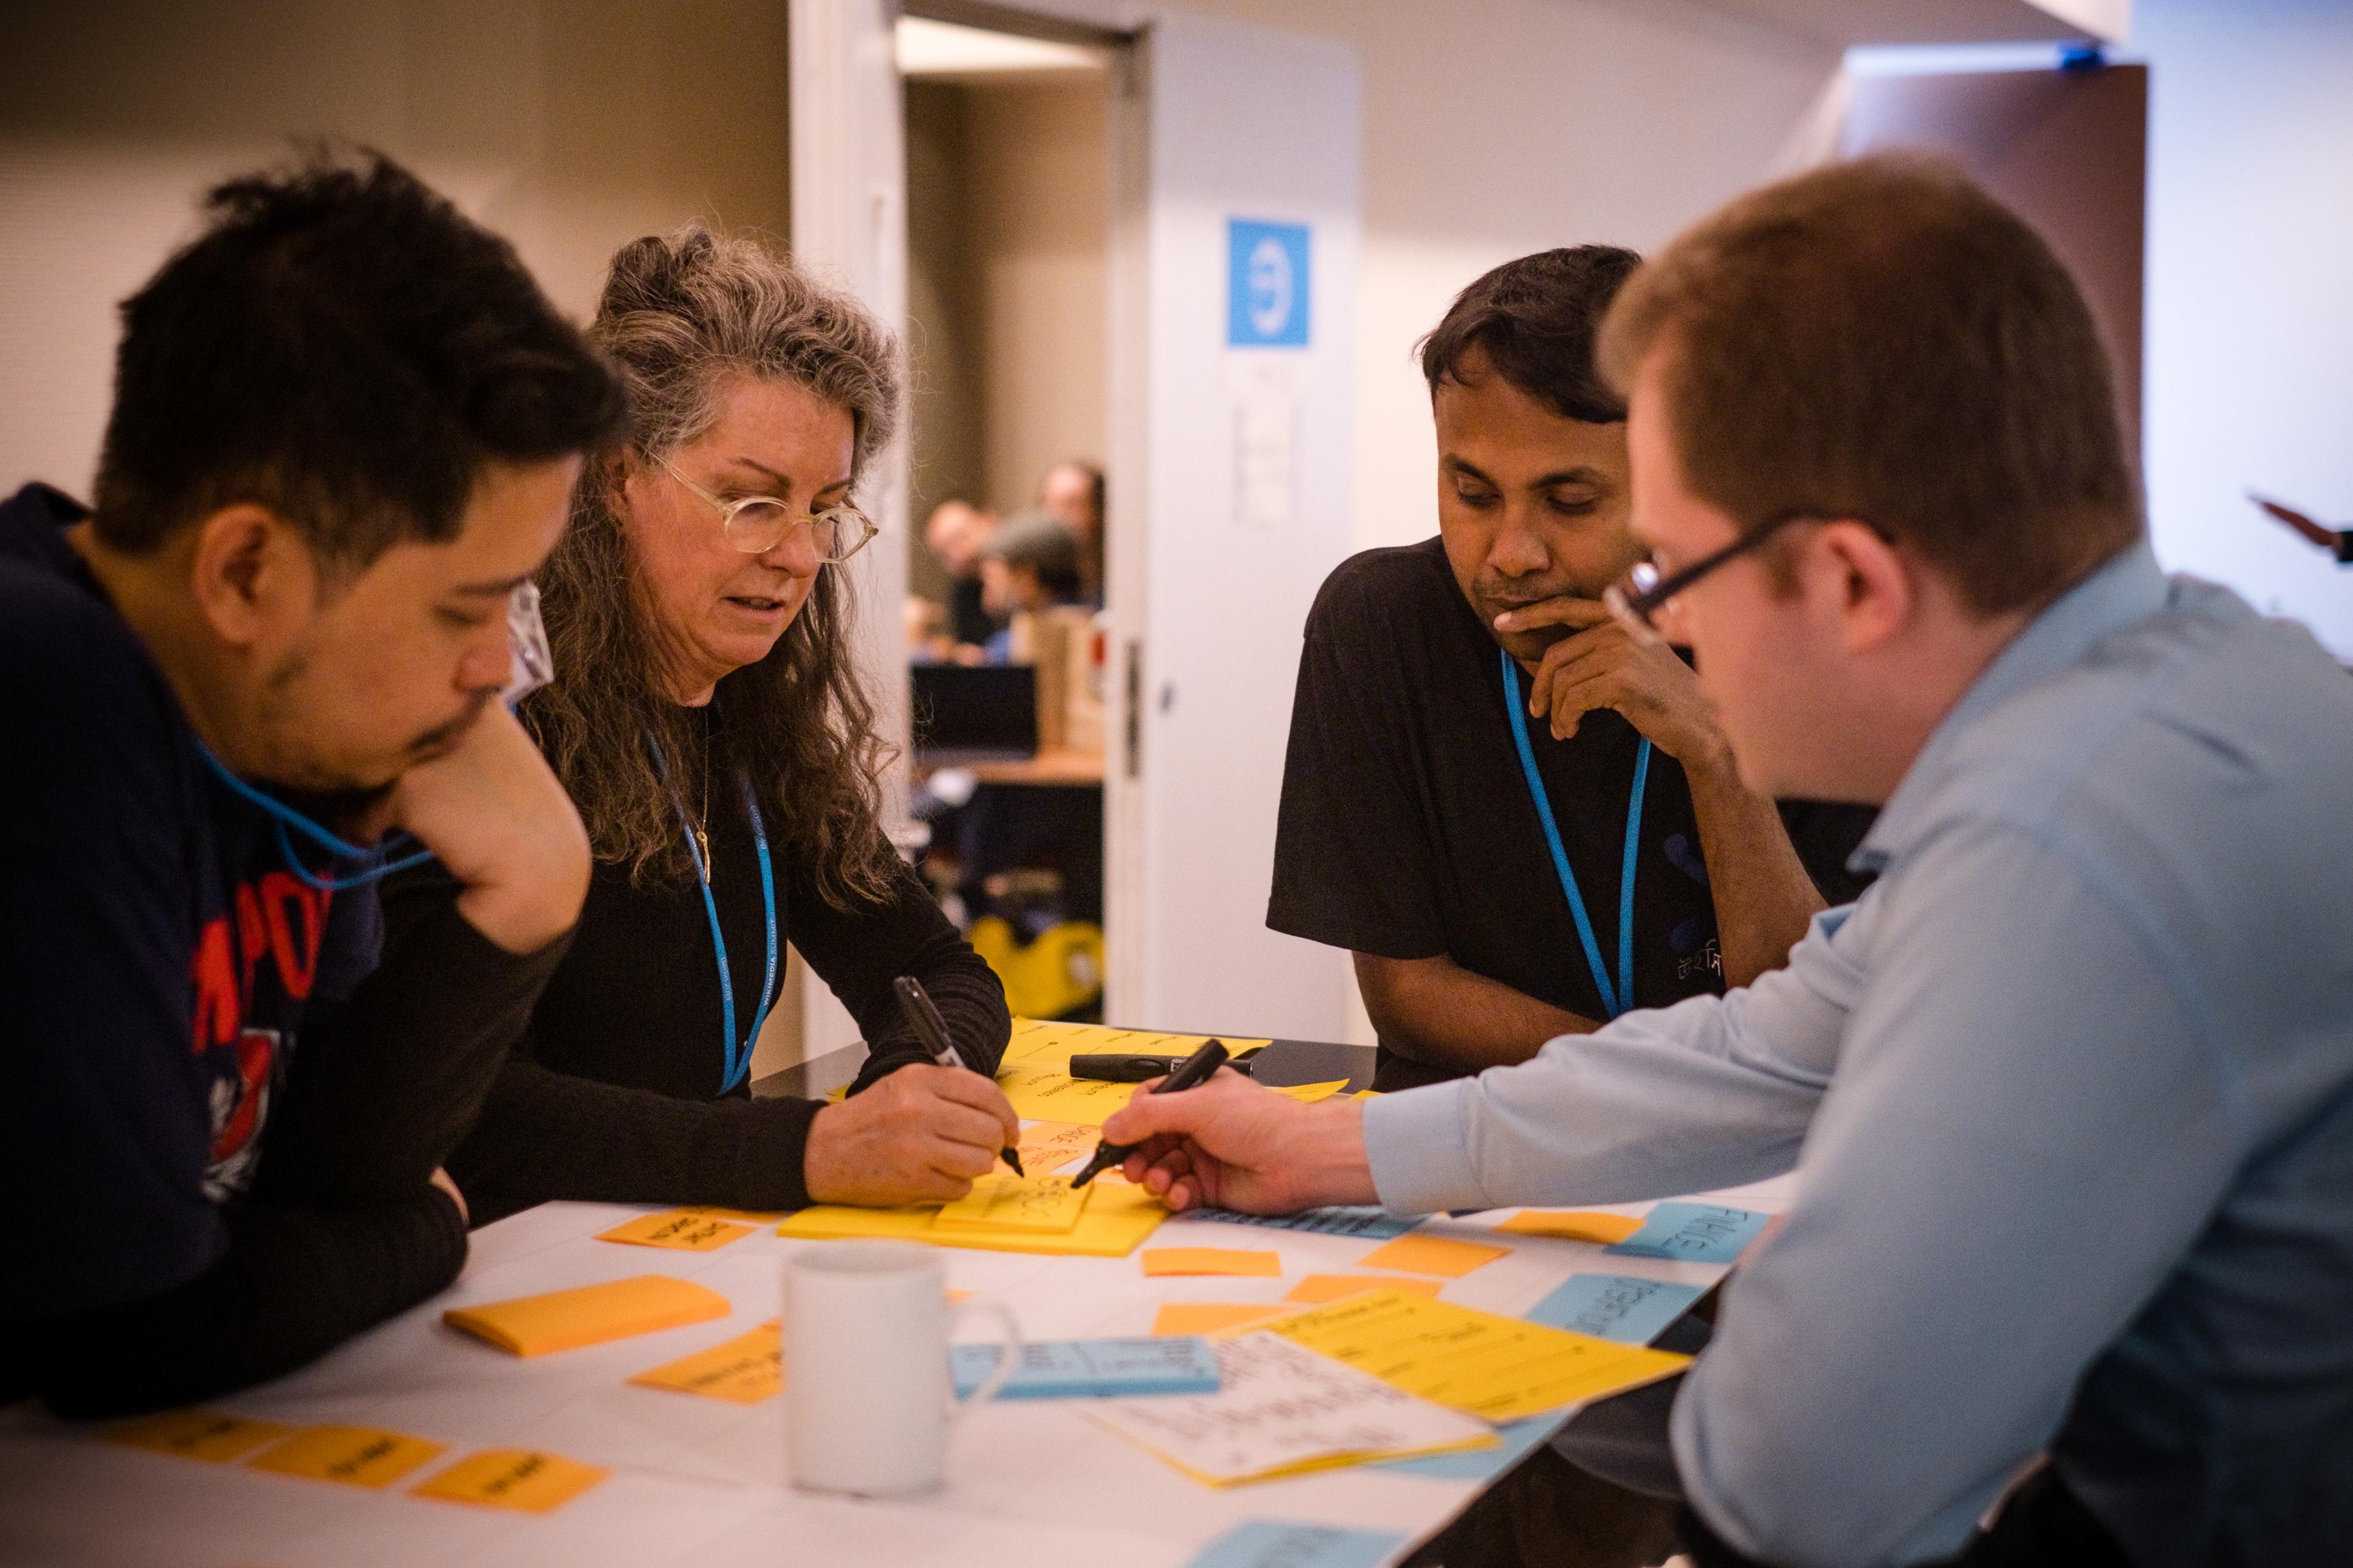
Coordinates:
<point>1160,1262</point>
<point>744,1370</point>
<point>523,1479</point>
<point>1033,1206</point>
<point>1118,1218</point>
<point>589,1315</point>
<point>1059,972</point>
<point>206,1434</point>
<point>1433,1255</point>
<point>1309,1093</point>
<point>1498,1369</point>
<point>351,1456</point>
<point>684,1230</point>
<point>1212,1317</point>
<point>1573,1225</point>
<point>1318,1289</point>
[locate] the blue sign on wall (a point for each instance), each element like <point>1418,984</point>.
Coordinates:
<point>1266,284</point>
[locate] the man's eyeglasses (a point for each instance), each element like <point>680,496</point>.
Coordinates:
<point>757,524</point>
<point>1644,593</point>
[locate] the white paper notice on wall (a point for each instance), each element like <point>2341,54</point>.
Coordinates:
<point>1269,424</point>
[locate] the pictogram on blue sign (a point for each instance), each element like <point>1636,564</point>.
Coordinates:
<point>1266,284</point>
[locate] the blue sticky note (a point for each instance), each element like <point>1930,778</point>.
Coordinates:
<point>1692,1233</point>
<point>1266,284</point>
<point>1516,1437</point>
<point>1272,1544</point>
<point>1093,1369</point>
<point>1614,1307</point>
<point>1372,1224</point>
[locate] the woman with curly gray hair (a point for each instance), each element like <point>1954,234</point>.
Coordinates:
<point>706,718</point>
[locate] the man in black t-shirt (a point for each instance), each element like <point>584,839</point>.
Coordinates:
<point>1521,821</point>
<point>345,431</point>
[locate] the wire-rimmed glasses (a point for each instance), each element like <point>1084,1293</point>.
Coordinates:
<point>757,524</point>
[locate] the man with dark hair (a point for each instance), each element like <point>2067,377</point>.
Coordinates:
<point>2068,1085</point>
<point>345,431</point>
<point>1521,820</point>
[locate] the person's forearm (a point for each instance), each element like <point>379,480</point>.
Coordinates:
<point>1432,1010</point>
<point>1764,897</point>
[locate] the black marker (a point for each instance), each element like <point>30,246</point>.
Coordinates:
<point>1193,1073</point>
<point>915,1004</point>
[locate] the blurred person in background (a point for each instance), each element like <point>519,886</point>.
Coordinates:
<point>1072,495</point>
<point>957,533</point>
<point>1032,564</point>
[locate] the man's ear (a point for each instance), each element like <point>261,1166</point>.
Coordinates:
<point>250,573</point>
<point>1875,592</point>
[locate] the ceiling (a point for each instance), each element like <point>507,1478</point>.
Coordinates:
<point>1845,23</point>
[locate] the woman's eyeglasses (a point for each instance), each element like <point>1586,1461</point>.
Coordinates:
<point>1638,599</point>
<point>757,524</point>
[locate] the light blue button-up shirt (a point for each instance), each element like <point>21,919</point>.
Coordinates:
<point>2069,1093</point>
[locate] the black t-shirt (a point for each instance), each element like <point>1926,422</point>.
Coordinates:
<point>1407,829</point>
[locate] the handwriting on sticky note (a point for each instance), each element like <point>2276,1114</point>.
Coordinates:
<point>685,1230</point>
<point>1572,1224</point>
<point>1614,1307</point>
<point>744,1370</point>
<point>1045,1205</point>
<point>523,1479</point>
<point>1498,1369</point>
<point>1116,1219</point>
<point>1041,1089</point>
<point>206,1434</point>
<point>1212,1317</point>
<point>353,1455</point>
<point>1318,1289</point>
<point>1433,1255</point>
<point>589,1315</point>
<point>1309,1093</point>
<point>1694,1233</point>
<point>1048,1146</point>
<point>1280,1410</point>
<point>1159,1262</point>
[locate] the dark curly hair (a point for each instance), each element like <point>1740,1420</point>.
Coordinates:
<point>685,315</point>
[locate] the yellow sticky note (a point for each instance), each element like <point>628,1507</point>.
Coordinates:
<point>1048,1146</point>
<point>1309,1093</point>
<point>1116,1220</point>
<point>1365,1094</point>
<point>1161,1261</point>
<point>589,1315</point>
<point>1573,1225</point>
<point>1498,1369</point>
<point>1039,1205</point>
<point>354,1456</point>
<point>523,1479</point>
<point>1433,1255</point>
<point>206,1434</point>
<point>1318,1289</point>
<point>1036,1072</point>
<point>685,1230</point>
<point>744,1370</point>
<point>1212,1317</point>
<point>1041,1089</point>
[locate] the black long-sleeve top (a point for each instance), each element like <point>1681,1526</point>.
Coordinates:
<point>615,1093</point>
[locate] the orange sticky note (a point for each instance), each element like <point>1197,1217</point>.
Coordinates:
<point>353,1456</point>
<point>1433,1255</point>
<point>684,1230</point>
<point>1573,1225</point>
<point>744,1370</point>
<point>1048,1146</point>
<point>1161,1261</point>
<point>1318,1289</point>
<point>520,1478</point>
<point>1212,1317</point>
<point>1309,1093</point>
<point>206,1434</point>
<point>590,1315</point>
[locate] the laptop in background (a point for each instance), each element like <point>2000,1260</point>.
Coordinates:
<point>965,713</point>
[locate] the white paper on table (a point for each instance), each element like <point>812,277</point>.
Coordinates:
<point>1282,1408</point>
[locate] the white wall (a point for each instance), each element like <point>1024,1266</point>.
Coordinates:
<point>2248,341</point>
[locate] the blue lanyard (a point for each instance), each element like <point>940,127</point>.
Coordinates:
<point>738,1055</point>
<point>1621,998</point>
<point>283,817</point>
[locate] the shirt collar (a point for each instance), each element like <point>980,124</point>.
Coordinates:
<point>2129,587</point>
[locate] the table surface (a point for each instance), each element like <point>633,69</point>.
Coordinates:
<point>702,1482</point>
<point>1051,765</point>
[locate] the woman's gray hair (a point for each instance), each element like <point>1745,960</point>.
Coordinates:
<point>684,312</point>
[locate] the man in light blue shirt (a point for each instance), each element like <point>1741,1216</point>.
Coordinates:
<point>2069,1091</point>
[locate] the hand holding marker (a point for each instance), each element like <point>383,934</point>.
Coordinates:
<point>1197,1071</point>
<point>923,1018</point>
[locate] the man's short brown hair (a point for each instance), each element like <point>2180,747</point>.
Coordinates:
<point>1882,340</point>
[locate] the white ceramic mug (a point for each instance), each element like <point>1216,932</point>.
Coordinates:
<point>869,1401</point>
